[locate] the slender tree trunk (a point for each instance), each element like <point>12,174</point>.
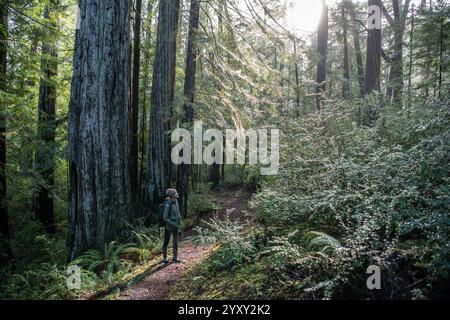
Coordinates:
<point>297,79</point>
<point>411,52</point>
<point>148,39</point>
<point>358,55</point>
<point>45,151</point>
<point>143,129</point>
<point>134,149</point>
<point>346,84</point>
<point>184,170</point>
<point>322,39</point>
<point>4,221</point>
<point>100,197</point>
<point>373,55</point>
<point>214,175</point>
<point>395,84</point>
<point>163,89</point>
<point>425,53</point>
<point>441,56</point>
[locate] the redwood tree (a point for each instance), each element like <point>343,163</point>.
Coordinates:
<point>45,152</point>
<point>4,225</point>
<point>100,204</point>
<point>184,170</point>
<point>373,54</point>
<point>134,149</point>
<point>162,97</point>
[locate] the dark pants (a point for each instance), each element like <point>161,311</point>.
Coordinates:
<point>167,235</point>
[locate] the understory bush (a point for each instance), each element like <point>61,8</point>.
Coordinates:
<point>351,197</point>
<point>46,277</point>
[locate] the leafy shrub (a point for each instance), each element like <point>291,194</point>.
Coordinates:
<point>234,177</point>
<point>367,191</point>
<point>235,248</point>
<point>201,205</point>
<point>353,196</point>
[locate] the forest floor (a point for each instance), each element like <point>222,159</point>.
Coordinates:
<point>156,286</point>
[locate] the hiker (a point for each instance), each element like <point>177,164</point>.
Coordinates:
<point>172,222</point>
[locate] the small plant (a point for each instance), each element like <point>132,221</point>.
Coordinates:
<point>235,247</point>
<point>109,260</point>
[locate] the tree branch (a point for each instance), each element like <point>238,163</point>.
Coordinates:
<point>387,15</point>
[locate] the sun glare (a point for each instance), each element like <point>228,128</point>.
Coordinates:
<point>303,15</point>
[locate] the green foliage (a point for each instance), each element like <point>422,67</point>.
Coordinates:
<point>234,177</point>
<point>201,206</point>
<point>235,247</point>
<point>351,197</point>
<point>109,260</point>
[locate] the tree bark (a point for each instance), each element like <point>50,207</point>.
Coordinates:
<point>358,55</point>
<point>184,170</point>
<point>297,78</point>
<point>162,97</point>
<point>214,175</point>
<point>45,152</point>
<point>134,149</point>
<point>143,149</point>
<point>346,70</point>
<point>441,56</point>
<point>373,56</point>
<point>322,40</point>
<point>100,198</point>
<point>4,221</point>
<point>411,52</point>
<point>395,83</point>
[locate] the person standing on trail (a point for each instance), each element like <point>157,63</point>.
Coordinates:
<point>172,223</point>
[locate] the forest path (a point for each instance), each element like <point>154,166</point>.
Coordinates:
<point>156,286</point>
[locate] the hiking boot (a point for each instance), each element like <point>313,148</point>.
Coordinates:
<point>166,261</point>
<point>177,261</point>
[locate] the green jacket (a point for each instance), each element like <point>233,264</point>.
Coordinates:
<point>171,216</point>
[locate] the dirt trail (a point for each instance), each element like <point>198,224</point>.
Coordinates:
<point>156,286</point>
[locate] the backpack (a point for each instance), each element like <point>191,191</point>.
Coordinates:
<point>161,213</point>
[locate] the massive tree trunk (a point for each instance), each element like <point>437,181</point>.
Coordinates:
<point>322,40</point>
<point>184,170</point>
<point>163,89</point>
<point>100,198</point>
<point>346,83</point>
<point>45,151</point>
<point>4,224</point>
<point>134,152</point>
<point>373,54</point>
<point>358,55</point>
